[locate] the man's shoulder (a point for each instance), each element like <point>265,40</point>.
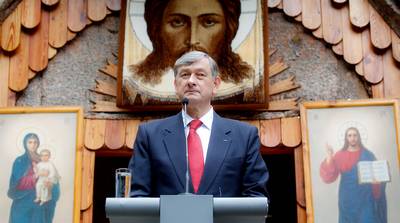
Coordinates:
<point>235,123</point>
<point>157,123</point>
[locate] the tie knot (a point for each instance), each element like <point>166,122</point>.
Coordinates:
<point>195,124</point>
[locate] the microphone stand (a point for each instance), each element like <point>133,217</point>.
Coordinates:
<point>185,101</point>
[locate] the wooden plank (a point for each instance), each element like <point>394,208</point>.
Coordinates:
<point>359,12</point>
<point>50,2</point>
<point>31,74</point>
<point>106,87</point>
<point>380,31</point>
<point>283,85</point>
<point>273,3</point>
<point>58,28</point>
<point>283,105</point>
<point>311,14</point>
<point>298,18</point>
<point>70,35</point>
<point>277,67</point>
<point>88,161</point>
<point>94,133</point>
<point>51,52</point>
<point>4,73</point>
<point>38,45</point>
<point>130,133</point>
<point>332,30</point>
<point>391,75</point>
<point>292,8</point>
<point>111,70</point>
<point>97,10</point>
<point>31,13</point>
<point>107,106</point>
<point>301,214</point>
<point>280,6</point>
<point>318,32</point>
<point>12,98</point>
<point>18,79</point>
<point>395,46</point>
<point>270,131</point>
<point>299,173</point>
<point>113,5</point>
<point>77,15</point>
<point>338,48</point>
<point>87,215</point>
<point>360,68</point>
<point>352,40</point>
<point>378,90</point>
<point>291,131</point>
<point>115,134</point>
<point>11,30</point>
<point>372,62</point>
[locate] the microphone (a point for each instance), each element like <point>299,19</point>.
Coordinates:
<point>185,102</point>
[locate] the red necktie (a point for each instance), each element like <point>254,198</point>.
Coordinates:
<point>195,153</point>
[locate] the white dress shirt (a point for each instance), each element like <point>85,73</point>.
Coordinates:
<point>204,131</point>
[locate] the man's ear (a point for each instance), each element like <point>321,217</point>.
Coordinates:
<point>217,83</point>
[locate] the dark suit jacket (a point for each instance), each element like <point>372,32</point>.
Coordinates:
<point>233,167</point>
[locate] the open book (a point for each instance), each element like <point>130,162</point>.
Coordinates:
<point>373,171</point>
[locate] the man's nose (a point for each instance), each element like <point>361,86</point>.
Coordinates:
<point>192,80</point>
<point>194,34</point>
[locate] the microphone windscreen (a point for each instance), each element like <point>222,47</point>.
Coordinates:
<point>185,101</point>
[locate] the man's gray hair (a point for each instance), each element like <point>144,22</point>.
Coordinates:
<point>190,57</point>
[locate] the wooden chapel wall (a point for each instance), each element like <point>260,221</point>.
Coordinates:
<point>24,54</point>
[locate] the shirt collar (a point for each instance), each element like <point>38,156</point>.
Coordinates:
<point>206,119</point>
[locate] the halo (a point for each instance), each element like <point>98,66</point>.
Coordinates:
<point>343,127</point>
<point>247,19</point>
<point>23,132</point>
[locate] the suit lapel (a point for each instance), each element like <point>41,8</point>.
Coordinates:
<point>219,144</point>
<point>174,141</point>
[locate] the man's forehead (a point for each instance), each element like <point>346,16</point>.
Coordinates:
<point>198,65</point>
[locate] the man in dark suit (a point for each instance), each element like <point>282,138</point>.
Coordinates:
<point>223,154</point>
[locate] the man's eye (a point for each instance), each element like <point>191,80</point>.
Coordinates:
<point>184,75</point>
<point>209,22</point>
<point>177,22</point>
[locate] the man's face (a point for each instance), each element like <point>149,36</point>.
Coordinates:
<point>352,137</point>
<point>196,83</point>
<point>193,25</point>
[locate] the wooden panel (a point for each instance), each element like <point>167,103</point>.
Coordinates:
<point>88,161</point>
<point>97,10</point>
<point>352,40</point>
<point>359,12</point>
<point>94,133</point>
<point>377,90</point>
<point>130,133</point>
<point>51,52</point>
<point>4,70</point>
<point>270,131</point>
<point>380,31</point>
<point>115,134</point>
<point>113,5</point>
<point>372,62</point>
<point>292,7</point>
<point>273,3</point>
<point>301,214</point>
<point>338,48</point>
<point>38,45</point>
<point>87,215</point>
<point>19,68</point>
<point>12,98</point>
<point>360,68</point>
<point>331,22</point>
<point>291,131</point>
<point>299,173</point>
<point>70,35</point>
<point>311,13</point>
<point>298,18</point>
<point>50,2</point>
<point>112,70</point>
<point>391,74</point>
<point>106,87</point>
<point>318,32</point>
<point>277,67</point>
<point>30,15</point>
<point>77,15</point>
<point>283,85</point>
<point>282,105</point>
<point>396,46</point>
<point>11,30</point>
<point>31,74</point>
<point>58,25</point>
